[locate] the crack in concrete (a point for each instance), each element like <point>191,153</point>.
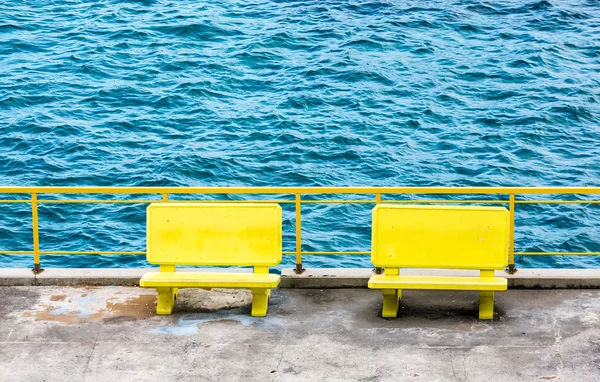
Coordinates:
<point>464,365</point>
<point>279,345</point>
<point>557,346</point>
<point>87,365</point>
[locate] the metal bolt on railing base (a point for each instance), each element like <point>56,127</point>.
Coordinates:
<point>37,269</point>
<point>511,269</point>
<point>299,270</point>
<point>378,270</point>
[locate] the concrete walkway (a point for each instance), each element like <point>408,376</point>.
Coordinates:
<point>112,334</point>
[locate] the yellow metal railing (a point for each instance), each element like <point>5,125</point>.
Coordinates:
<point>297,193</point>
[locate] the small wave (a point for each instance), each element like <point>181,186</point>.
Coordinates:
<point>202,31</point>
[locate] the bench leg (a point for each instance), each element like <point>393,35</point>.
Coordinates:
<point>391,297</point>
<point>166,300</point>
<point>260,302</point>
<point>486,305</point>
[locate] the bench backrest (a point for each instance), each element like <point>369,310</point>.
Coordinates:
<point>440,237</point>
<point>236,234</point>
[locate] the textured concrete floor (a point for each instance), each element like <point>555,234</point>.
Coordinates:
<point>112,334</point>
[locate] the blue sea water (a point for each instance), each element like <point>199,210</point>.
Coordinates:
<point>297,93</point>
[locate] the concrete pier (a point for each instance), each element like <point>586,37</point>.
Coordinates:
<point>112,334</point>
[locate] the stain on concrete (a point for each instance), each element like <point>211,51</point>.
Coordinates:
<point>89,304</point>
<point>52,314</point>
<point>138,308</point>
<point>189,324</point>
<point>68,305</point>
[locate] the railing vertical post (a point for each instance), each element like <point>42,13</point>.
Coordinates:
<point>378,270</point>
<point>511,236</point>
<point>165,197</point>
<point>299,268</point>
<point>36,238</point>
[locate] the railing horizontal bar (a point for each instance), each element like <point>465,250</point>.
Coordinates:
<point>324,201</point>
<point>340,201</point>
<point>92,252</point>
<point>334,253</point>
<point>4,252</point>
<point>133,201</point>
<point>144,201</point>
<point>143,253</point>
<point>231,201</point>
<point>557,201</point>
<point>558,253</point>
<point>285,253</point>
<point>299,190</point>
<point>442,201</point>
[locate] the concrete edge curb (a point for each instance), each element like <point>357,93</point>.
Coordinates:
<point>321,278</point>
<point>522,279</point>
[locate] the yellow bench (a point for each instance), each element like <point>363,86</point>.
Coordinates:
<point>213,234</point>
<point>439,237</point>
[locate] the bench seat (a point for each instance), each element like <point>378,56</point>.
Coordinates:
<point>209,280</point>
<point>438,283</point>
